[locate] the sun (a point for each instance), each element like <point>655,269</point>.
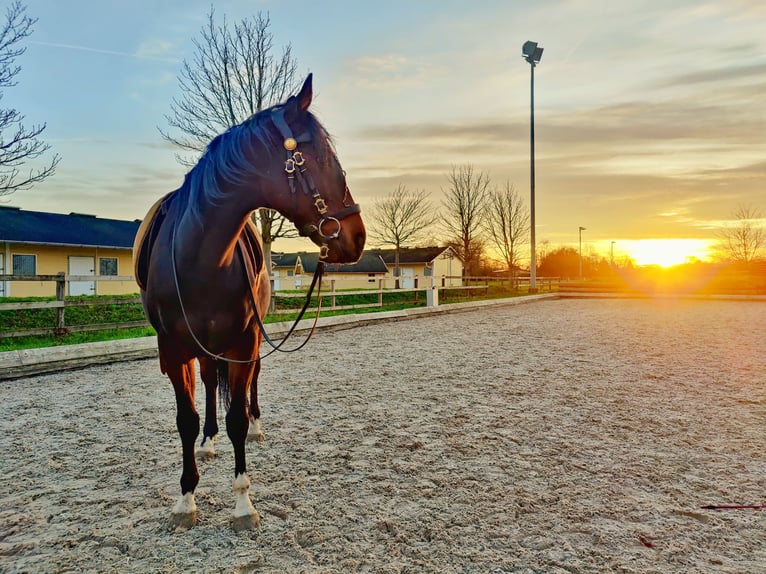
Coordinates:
<point>666,252</point>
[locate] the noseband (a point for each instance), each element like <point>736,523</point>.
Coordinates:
<point>328,226</point>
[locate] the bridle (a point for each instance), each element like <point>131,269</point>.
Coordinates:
<point>296,169</point>
<point>328,226</point>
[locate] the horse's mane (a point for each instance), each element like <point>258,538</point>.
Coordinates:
<point>230,158</point>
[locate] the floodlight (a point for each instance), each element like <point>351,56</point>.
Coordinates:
<point>528,48</point>
<point>531,52</point>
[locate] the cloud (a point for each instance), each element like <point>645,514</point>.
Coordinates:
<point>718,75</point>
<point>388,72</point>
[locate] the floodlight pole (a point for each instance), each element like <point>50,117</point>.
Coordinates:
<point>532,54</point>
<point>581,229</point>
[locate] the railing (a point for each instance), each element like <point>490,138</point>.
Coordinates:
<point>61,303</point>
<point>448,289</point>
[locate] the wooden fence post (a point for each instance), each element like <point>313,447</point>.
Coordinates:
<point>332,293</point>
<point>380,292</point>
<point>60,291</point>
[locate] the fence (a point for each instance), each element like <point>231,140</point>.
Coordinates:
<point>426,291</point>
<point>61,303</point>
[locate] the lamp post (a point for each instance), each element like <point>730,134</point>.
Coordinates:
<point>611,254</point>
<point>581,229</point>
<point>532,53</point>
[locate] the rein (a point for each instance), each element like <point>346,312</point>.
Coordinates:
<point>317,279</point>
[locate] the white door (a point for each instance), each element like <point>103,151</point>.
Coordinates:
<point>275,279</point>
<point>82,266</point>
<point>408,277</point>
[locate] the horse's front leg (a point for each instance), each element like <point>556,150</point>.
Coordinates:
<point>255,412</point>
<point>184,512</point>
<point>237,424</point>
<point>208,371</point>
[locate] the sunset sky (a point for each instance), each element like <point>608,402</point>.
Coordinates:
<point>650,115</point>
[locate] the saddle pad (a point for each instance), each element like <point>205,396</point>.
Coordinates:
<point>142,244</point>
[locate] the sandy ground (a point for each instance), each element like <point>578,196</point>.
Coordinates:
<point>558,436</point>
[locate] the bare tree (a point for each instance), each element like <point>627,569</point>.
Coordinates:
<point>234,74</point>
<point>465,202</point>
<point>507,224</point>
<point>743,241</point>
<point>400,218</point>
<point>18,144</point>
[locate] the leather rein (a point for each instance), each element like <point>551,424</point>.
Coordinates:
<point>295,168</point>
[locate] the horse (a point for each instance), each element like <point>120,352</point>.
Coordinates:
<point>203,281</point>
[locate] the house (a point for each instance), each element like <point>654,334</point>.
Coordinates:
<point>434,261</point>
<point>294,270</point>
<point>40,243</point>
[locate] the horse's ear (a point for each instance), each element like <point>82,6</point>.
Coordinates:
<point>305,95</point>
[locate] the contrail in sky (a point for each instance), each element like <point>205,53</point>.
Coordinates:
<point>101,51</point>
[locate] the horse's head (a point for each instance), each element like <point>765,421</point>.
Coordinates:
<point>316,198</point>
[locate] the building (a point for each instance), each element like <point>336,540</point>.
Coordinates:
<point>420,262</point>
<point>40,243</point>
<point>294,270</point>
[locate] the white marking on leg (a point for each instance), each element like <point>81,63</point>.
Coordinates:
<point>207,448</point>
<point>243,506</point>
<point>185,504</point>
<point>255,430</point>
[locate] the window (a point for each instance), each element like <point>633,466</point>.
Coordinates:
<point>371,278</point>
<point>290,272</point>
<point>24,265</point>
<point>107,266</point>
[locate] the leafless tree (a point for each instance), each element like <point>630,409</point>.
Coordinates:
<point>507,224</point>
<point>399,218</point>
<point>464,212</point>
<point>19,144</point>
<point>744,241</point>
<point>235,72</point>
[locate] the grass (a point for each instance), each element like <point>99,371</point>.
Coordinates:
<point>19,343</point>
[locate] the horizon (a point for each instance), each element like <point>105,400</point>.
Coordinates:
<point>648,119</point>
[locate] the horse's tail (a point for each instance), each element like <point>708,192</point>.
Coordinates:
<point>222,375</point>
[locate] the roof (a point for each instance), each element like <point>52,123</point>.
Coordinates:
<point>369,263</point>
<point>20,226</point>
<point>372,261</point>
<point>410,255</point>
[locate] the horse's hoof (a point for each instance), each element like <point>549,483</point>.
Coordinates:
<point>206,452</point>
<point>184,513</point>
<point>246,522</point>
<point>255,433</point>
<point>183,520</point>
<point>256,437</point>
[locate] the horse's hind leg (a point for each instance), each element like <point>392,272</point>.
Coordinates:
<point>184,512</point>
<point>255,431</point>
<point>210,430</point>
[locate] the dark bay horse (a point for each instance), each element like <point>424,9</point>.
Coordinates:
<point>200,267</point>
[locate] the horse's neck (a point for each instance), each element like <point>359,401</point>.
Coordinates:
<point>211,237</point>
